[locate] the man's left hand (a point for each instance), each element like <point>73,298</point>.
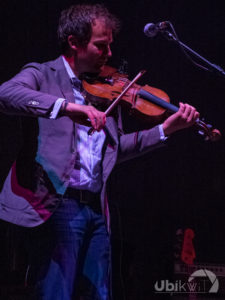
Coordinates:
<point>185,117</point>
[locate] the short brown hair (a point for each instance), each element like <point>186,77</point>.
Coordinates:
<point>78,19</point>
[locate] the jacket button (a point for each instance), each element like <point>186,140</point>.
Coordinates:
<point>33,102</point>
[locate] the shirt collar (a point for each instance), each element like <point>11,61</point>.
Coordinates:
<point>68,68</point>
<point>76,83</point>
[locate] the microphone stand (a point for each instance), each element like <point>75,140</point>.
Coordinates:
<point>211,67</point>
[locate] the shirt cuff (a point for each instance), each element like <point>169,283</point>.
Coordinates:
<point>56,108</point>
<point>161,133</point>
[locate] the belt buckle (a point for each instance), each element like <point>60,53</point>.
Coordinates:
<point>83,198</point>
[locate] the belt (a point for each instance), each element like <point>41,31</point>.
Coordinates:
<point>84,196</point>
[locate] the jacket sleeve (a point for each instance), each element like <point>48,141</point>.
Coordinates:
<point>21,95</point>
<point>133,145</point>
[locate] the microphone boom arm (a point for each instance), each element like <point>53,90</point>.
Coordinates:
<point>212,67</point>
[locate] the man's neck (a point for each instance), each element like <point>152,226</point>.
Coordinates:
<point>71,62</point>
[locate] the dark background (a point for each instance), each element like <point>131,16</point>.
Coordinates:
<point>179,186</point>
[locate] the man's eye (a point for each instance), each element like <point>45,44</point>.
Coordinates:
<point>101,46</point>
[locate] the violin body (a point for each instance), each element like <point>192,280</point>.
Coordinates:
<point>102,91</point>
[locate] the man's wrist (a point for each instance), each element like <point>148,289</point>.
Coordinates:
<point>167,129</point>
<point>63,110</point>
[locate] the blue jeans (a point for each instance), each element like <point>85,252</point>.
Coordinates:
<point>72,254</point>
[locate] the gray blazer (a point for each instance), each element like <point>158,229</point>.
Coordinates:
<point>40,175</point>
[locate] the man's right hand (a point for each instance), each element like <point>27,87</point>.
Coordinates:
<point>84,114</point>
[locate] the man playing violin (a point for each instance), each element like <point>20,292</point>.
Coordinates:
<point>57,185</point>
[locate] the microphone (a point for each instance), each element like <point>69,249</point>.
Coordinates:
<point>151,29</point>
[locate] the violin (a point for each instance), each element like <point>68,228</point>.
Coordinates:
<point>148,103</point>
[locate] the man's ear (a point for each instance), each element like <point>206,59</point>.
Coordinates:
<point>72,42</point>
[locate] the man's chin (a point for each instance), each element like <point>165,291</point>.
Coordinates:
<point>95,70</point>
<point>99,68</point>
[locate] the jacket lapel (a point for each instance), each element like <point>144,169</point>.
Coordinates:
<point>62,78</point>
<point>111,129</point>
